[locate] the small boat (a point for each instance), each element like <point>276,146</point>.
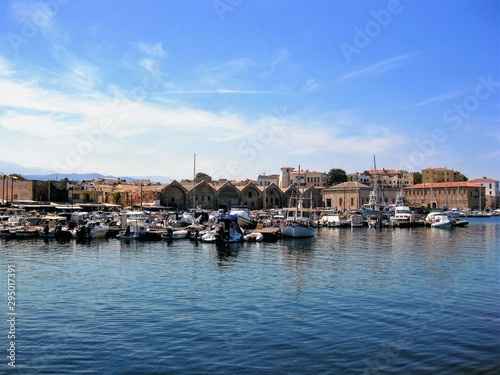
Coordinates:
<point>53,225</point>
<point>97,229</point>
<point>460,223</point>
<point>254,237</point>
<point>244,219</point>
<point>136,230</point>
<point>27,231</point>
<point>356,220</point>
<point>226,230</point>
<point>439,220</point>
<point>175,234</point>
<point>374,221</point>
<point>402,215</point>
<point>298,227</point>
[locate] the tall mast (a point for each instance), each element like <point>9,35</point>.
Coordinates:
<point>194,182</point>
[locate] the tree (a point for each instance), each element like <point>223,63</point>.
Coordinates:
<point>202,176</point>
<point>17,176</point>
<point>417,177</point>
<point>462,178</point>
<point>117,198</point>
<point>336,176</point>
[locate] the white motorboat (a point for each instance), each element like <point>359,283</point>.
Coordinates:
<point>439,220</point>
<point>226,230</point>
<point>175,234</point>
<point>244,219</point>
<point>97,229</point>
<point>402,215</point>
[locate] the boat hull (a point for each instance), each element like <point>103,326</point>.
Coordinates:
<point>298,231</point>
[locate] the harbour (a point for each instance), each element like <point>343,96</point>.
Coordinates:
<point>348,300</point>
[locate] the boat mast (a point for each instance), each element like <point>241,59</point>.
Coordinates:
<point>194,182</point>
<point>445,188</point>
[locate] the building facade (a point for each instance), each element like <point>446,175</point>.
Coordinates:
<point>491,192</point>
<point>431,175</point>
<point>461,195</point>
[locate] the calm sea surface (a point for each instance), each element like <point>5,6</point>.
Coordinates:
<point>350,301</point>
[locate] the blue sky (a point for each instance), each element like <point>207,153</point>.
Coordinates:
<point>137,88</point>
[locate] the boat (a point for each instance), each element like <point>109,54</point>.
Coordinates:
<point>401,213</point>
<point>244,218</point>
<point>52,226</point>
<point>459,222</point>
<point>330,218</point>
<point>298,221</point>
<point>298,227</point>
<point>374,221</point>
<point>254,237</point>
<point>375,203</point>
<point>226,229</point>
<point>175,234</point>
<point>135,230</point>
<point>97,229</point>
<point>26,231</point>
<point>439,220</point>
<point>356,219</point>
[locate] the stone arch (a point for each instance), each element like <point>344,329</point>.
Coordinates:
<point>251,196</point>
<point>228,196</point>
<point>174,196</point>
<point>205,196</point>
<point>273,197</point>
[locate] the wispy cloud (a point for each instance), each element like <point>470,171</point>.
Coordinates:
<point>378,68</point>
<point>221,91</point>
<point>438,98</point>
<point>39,15</point>
<point>152,49</point>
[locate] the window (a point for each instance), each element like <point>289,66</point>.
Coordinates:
<point>249,194</point>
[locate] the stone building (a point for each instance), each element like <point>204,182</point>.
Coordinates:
<point>446,195</point>
<point>431,175</point>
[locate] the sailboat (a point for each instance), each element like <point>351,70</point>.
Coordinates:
<point>298,222</point>
<point>373,205</point>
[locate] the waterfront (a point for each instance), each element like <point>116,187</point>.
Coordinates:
<point>353,300</point>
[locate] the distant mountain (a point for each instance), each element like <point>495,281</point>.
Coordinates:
<point>10,168</point>
<point>47,174</point>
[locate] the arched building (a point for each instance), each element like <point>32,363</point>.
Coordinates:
<point>174,195</point>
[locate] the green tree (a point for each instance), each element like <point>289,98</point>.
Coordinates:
<point>117,197</point>
<point>17,176</point>
<point>200,176</point>
<point>462,178</point>
<point>336,176</point>
<point>417,177</point>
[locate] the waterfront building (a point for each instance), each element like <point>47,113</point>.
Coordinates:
<point>306,178</point>
<point>431,175</point>
<point>491,191</point>
<point>384,177</point>
<point>462,195</point>
<point>347,195</point>
<point>266,180</point>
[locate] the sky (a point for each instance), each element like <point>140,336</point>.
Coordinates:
<point>238,88</point>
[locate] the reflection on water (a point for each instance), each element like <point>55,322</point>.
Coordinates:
<point>415,300</point>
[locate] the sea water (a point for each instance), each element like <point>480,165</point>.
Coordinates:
<point>349,301</point>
